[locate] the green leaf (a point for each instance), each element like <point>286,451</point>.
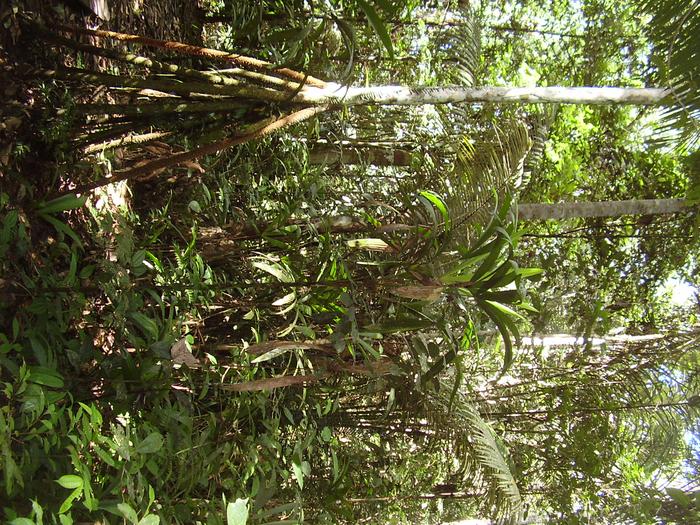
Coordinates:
<point>436,201</point>
<point>327,433</point>
<point>679,497</point>
<point>147,325</point>
<point>237,512</point>
<point>503,296</point>
<point>276,270</point>
<point>63,203</point>
<point>526,273</point>
<point>45,376</point>
<point>151,443</point>
<point>128,512</point>
<point>298,473</point>
<point>87,271</point>
<point>503,324</point>
<point>378,26</point>
<point>272,354</point>
<point>21,521</point>
<point>61,227</point>
<point>68,502</point>
<point>149,519</point>
<point>70,481</point>
<point>285,300</point>
<point>440,364</point>
<point>506,310</point>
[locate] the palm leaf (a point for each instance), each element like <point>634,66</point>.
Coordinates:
<point>483,174</point>
<point>541,123</point>
<point>482,456</point>
<point>674,30</point>
<point>459,48</point>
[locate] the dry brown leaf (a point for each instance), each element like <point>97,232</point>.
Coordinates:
<point>158,148</point>
<point>193,166</point>
<point>181,355</point>
<point>422,293</point>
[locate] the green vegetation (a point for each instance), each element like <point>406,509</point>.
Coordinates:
<point>236,292</point>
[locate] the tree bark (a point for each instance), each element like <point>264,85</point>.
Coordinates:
<point>375,156</point>
<point>569,210</point>
<point>337,95</point>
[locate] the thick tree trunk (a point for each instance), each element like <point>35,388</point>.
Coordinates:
<point>568,210</point>
<point>213,238</point>
<point>335,94</point>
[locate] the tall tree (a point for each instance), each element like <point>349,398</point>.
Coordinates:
<point>569,210</point>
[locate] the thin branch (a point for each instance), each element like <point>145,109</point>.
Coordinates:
<point>208,149</point>
<point>189,49</point>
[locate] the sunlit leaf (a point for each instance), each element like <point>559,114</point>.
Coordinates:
<point>378,26</point>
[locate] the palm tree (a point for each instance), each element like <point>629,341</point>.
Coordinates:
<point>568,210</point>
<point>254,83</point>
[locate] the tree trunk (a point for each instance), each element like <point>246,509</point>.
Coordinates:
<point>568,210</point>
<point>375,156</point>
<point>337,95</point>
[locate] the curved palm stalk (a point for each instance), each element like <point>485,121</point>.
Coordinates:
<point>177,159</point>
<point>188,49</point>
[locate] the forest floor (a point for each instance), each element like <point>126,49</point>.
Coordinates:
<point>36,155</point>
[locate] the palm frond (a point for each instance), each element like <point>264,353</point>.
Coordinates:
<point>540,126</point>
<point>483,457</point>
<point>459,48</point>
<point>482,175</point>
<point>674,30</point>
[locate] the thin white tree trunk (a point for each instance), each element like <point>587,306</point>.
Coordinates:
<point>335,94</point>
<point>568,210</point>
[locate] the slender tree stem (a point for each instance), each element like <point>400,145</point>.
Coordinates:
<point>567,210</point>
<point>335,94</point>
<point>187,156</point>
<point>168,86</point>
